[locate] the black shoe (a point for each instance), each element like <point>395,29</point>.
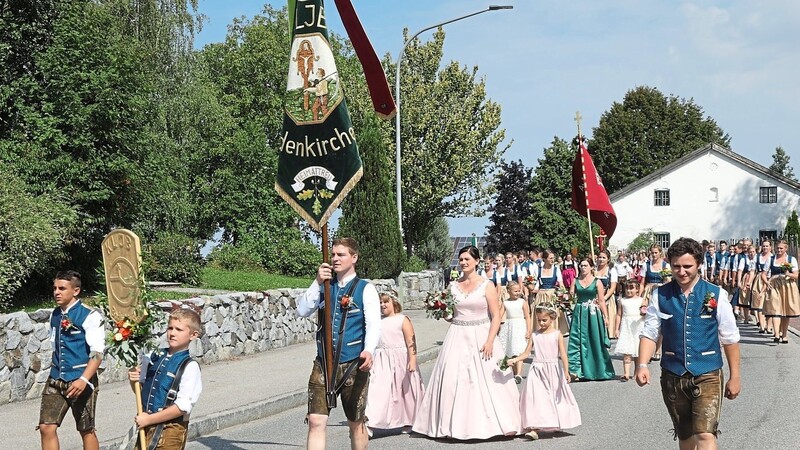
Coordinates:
<point>784,341</point>
<point>776,340</point>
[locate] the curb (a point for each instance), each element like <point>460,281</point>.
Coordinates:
<point>206,425</point>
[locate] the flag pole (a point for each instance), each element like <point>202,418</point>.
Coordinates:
<point>585,187</point>
<point>327,345</point>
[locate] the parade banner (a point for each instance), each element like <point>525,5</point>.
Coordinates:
<point>318,163</point>
<point>589,196</point>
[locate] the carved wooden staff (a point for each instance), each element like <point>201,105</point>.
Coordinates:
<point>122,258</point>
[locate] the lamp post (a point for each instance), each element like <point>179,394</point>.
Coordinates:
<point>397,98</point>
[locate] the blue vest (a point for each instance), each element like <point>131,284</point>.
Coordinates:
<point>549,282</point>
<point>652,277</point>
<point>776,270</point>
<point>691,336</point>
<point>712,263</point>
<point>355,327</point>
<point>160,376</point>
<point>70,350</point>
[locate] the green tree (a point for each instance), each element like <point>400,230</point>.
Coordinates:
<point>34,228</point>
<point>557,225</point>
<point>450,135</point>
<point>642,241</point>
<point>511,210</point>
<point>249,71</point>
<point>780,164</point>
<point>436,248</point>
<point>369,213</point>
<point>792,229</point>
<point>647,131</point>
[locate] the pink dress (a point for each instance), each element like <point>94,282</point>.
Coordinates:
<point>468,397</point>
<point>547,401</point>
<point>394,392</point>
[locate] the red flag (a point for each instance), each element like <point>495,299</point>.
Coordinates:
<point>589,193</point>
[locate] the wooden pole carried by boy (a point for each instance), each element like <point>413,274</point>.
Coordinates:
<point>122,262</point>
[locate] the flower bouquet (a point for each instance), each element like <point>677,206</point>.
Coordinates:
<point>787,268</point>
<point>665,273</point>
<point>503,363</point>
<point>530,280</point>
<point>440,304</point>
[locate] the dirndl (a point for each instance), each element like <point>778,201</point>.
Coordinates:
<point>758,294</point>
<point>783,300</point>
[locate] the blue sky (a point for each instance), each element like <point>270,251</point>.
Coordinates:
<point>546,59</point>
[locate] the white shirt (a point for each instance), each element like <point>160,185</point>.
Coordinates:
<point>310,301</point>
<point>727,329</point>
<point>622,268</point>
<point>93,329</point>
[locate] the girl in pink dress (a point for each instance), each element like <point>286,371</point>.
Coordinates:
<point>468,395</point>
<point>395,386</point>
<point>547,403</point>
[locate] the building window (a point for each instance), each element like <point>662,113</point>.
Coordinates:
<point>661,197</point>
<point>662,239</point>
<point>768,194</point>
<point>714,195</point>
<point>763,235</point>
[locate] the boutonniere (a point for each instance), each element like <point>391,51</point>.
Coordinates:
<point>346,302</point>
<point>710,303</point>
<point>67,324</point>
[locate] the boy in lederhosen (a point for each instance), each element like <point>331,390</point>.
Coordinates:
<point>171,385</point>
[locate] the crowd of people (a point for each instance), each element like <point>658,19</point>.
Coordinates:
<point>561,314</point>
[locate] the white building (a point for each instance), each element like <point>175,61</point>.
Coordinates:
<point>711,193</point>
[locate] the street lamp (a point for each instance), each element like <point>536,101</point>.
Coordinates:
<point>397,97</point>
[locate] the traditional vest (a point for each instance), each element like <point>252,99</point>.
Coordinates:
<point>712,262</point>
<point>160,377</point>
<point>761,267</point>
<point>606,279</point>
<point>650,276</point>
<point>775,270</point>
<point>70,350</point>
<point>691,335</point>
<point>355,327</point>
<point>549,282</point>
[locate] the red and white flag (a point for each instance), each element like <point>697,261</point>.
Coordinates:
<point>588,192</point>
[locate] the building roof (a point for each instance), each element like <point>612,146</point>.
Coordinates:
<point>706,149</point>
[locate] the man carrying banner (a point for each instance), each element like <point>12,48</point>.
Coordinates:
<point>356,318</point>
<point>318,165</point>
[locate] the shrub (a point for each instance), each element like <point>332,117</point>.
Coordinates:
<point>283,252</point>
<point>173,257</point>
<point>234,258</point>
<point>414,264</point>
<point>33,230</point>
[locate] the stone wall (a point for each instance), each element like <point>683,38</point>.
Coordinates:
<point>234,325</point>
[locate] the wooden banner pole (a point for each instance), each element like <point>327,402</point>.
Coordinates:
<point>330,376</point>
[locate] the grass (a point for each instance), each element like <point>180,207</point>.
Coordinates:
<point>249,281</point>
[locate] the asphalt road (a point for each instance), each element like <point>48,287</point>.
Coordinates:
<point>615,415</point>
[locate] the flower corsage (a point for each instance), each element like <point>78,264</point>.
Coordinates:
<point>66,324</point>
<point>710,303</point>
<point>346,302</point>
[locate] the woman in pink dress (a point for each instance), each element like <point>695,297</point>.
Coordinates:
<point>395,385</point>
<point>547,403</point>
<point>468,396</point>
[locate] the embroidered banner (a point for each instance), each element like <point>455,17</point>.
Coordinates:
<point>318,163</point>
